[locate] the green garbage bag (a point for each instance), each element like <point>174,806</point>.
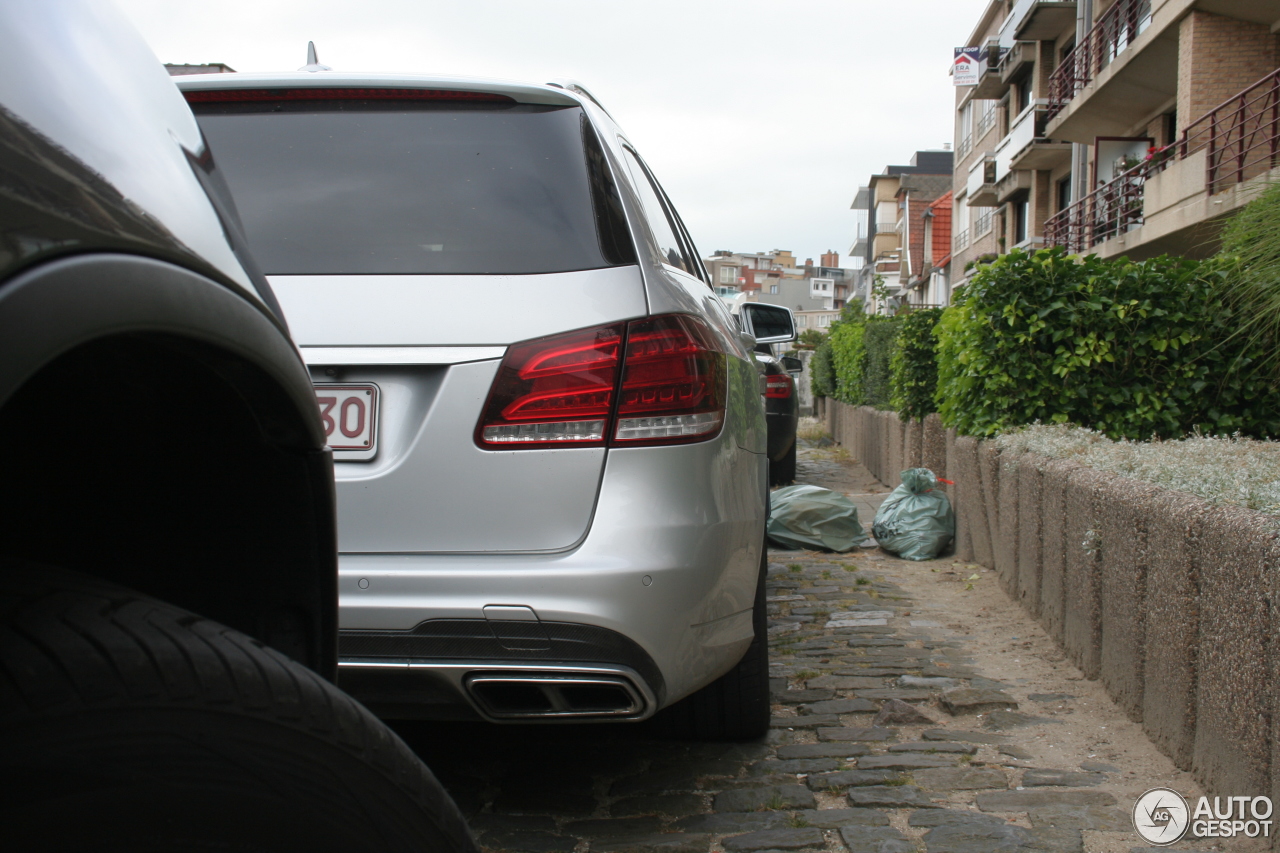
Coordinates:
<point>916,521</point>
<point>814,518</point>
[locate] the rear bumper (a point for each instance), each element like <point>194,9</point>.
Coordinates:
<point>668,567</point>
<point>782,432</point>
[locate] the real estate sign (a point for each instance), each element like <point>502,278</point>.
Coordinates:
<point>965,67</point>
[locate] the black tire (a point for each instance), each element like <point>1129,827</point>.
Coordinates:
<point>734,707</point>
<point>130,724</point>
<point>784,470</point>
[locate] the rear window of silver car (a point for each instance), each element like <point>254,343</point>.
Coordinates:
<point>349,187</point>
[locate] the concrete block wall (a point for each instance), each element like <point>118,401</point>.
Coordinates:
<point>1081,583</point>
<point>1232,749</point>
<point>969,495</point>
<point>964,539</point>
<point>1174,604</point>
<point>894,427</point>
<point>933,446</point>
<point>1030,479</point>
<point>1123,506</point>
<point>912,441</point>
<point>1172,627</point>
<point>989,474</point>
<point>1053,547</point>
<point>1006,544</point>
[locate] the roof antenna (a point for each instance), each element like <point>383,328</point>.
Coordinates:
<point>313,64</point>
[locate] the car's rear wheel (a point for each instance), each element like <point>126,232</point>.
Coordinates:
<point>736,705</point>
<point>131,724</point>
<point>784,470</point>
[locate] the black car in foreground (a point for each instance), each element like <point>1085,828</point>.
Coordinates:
<point>167,554</point>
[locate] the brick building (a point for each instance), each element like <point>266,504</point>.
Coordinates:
<point>892,206</point>
<point>929,287</point>
<point>1119,127</point>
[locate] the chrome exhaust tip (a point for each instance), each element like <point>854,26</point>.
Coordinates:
<point>554,695</point>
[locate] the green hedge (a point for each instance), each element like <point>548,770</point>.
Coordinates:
<point>880,340</point>
<point>915,364</point>
<point>822,371</point>
<point>848,353</point>
<point>1133,350</point>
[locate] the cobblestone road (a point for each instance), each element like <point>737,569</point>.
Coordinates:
<point>888,736</point>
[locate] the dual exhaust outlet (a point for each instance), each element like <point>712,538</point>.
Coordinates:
<point>549,695</point>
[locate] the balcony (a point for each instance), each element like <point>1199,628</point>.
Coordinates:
<point>989,83</point>
<point>1238,141</point>
<point>1017,59</point>
<point>1125,68</point>
<point>887,227</point>
<point>1112,209</point>
<point>1014,186</point>
<point>1026,146</point>
<point>1038,20</point>
<point>960,241</point>
<point>1113,33</point>
<point>981,186</point>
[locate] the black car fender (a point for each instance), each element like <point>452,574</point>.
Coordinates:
<point>145,407</point>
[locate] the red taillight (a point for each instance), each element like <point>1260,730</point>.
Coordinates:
<point>673,384</point>
<point>553,391</point>
<point>778,386</point>
<point>212,96</point>
<point>566,390</point>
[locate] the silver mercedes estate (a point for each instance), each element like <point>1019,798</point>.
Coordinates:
<point>548,429</point>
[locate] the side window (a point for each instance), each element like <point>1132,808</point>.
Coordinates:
<point>699,268</point>
<point>664,232</point>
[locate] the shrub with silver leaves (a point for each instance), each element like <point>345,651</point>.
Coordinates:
<point>1221,469</point>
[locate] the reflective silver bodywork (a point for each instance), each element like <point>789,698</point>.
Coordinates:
<point>661,545</point>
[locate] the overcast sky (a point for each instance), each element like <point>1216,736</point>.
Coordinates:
<point>760,118</point>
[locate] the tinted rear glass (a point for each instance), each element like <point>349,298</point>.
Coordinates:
<point>349,187</point>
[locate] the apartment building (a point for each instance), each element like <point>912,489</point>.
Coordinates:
<point>893,206</point>
<point>1120,127</point>
<point>776,278</point>
<point>738,272</point>
<point>1010,176</point>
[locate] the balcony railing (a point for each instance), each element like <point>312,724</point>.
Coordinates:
<point>1111,209</point>
<point>1110,36</point>
<point>982,224</point>
<point>960,241</point>
<point>986,120</point>
<point>1241,137</point>
<point>1241,141</point>
<point>887,227</point>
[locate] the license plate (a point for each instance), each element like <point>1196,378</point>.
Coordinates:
<point>349,414</point>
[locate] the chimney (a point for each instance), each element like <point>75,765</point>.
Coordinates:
<point>808,262</point>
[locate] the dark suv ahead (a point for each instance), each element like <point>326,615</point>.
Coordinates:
<point>168,603</point>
